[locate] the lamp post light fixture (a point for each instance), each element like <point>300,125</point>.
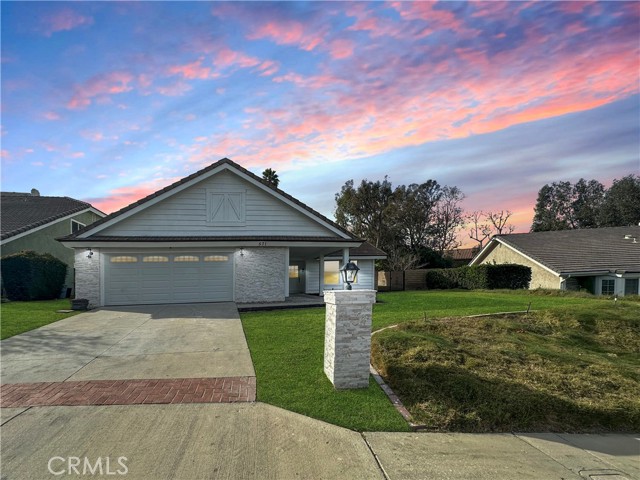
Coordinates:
<point>349,274</point>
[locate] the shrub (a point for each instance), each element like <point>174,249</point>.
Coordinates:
<point>480,277</point>
<point>32,276</point>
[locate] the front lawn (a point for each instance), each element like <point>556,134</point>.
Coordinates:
<point>572,368</point>
<point>287,348</point>
<point>20,317</point>
<point>398,307</point>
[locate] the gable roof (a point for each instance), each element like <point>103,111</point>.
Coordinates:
<point>22,212</point>
<point>189,180</point>
<point>461,253</point>
<point>576,251</point>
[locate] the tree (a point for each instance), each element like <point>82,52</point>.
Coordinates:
<point>365,211</point>
<point>587,202</point>
<point>413,211</point>
<point>270,176</point>
<point>498,221</point>
<point>448,218</point>
<point>553,208</point>
<point>479,230</point>
<point>621,205</point>
<point>563,206</point>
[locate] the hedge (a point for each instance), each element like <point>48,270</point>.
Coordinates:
<point>486,277</point>
<point>32,276</point>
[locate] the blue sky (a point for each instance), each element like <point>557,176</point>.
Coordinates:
<point>110,101</point>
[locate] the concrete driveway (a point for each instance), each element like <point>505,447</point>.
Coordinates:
<point>141,342</point>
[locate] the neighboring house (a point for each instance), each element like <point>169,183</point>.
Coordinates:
<point>33,222</point>
<point>603,261</point>
<point>221,234</point>
<point>461,256</point>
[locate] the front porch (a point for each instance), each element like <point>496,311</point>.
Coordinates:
<point>296,300</point>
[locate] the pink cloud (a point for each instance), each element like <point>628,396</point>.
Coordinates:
<point>226,58</point>
<point>341,48</point>
<point>51,116</point>
<point>174,89</point>
<point>64,20</point>
<point>4,153</point>
<point>288,32</point>
<point>99,87</point>
<point>193,70</point>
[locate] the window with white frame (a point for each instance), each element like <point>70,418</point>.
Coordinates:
<point>608,287</point>
<point>332,272</point>
<point>75,226</point>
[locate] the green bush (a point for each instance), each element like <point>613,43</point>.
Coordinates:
<point>32,276</point>
<point>480,277</point>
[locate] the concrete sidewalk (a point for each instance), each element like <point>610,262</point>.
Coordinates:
<point>259,441</point>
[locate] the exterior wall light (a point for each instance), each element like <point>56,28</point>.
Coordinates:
<point>349,274</point>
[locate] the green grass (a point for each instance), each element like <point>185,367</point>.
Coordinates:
<point>398,307</point>
<point>287,351</point>
<point>573,367</point>
<point>20,317</point>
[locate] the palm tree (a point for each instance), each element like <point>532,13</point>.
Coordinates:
<point>270,176</point>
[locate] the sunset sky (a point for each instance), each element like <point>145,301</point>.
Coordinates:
<point>110,101</point>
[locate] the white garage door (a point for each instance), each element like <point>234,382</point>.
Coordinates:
<point>133,278</point>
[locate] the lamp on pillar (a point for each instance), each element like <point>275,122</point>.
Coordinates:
<point>349,273</point>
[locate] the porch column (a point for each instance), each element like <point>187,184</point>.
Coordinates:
<point>345,260</point>
<point>321,279</point>
<point>286,273</point>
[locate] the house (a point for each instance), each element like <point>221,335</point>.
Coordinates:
<point>461,256</point>
<point>220,234</point>
<point>603,261</point>
<point>33,222</point>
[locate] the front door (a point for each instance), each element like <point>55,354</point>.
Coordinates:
<point>296,277</point>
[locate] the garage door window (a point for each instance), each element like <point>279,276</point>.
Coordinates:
<point>186,258</point>
<point>124,259</point>
<point>155,258</point>
<point>216,258</point>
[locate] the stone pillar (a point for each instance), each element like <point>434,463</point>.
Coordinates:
<point>347,337</point>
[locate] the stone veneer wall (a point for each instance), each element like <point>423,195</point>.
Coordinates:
<point>540,277</point>
<point>88,276</point>
<point>260,275</point>
<point>347,340</point>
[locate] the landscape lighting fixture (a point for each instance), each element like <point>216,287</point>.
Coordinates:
<point>349,274</point>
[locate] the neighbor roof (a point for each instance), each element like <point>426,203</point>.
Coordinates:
<point>461,253</point>
<point>199,173</point>
<point>576,251</point>
<point>22,212</point>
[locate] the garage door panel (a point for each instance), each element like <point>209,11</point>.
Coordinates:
<point>183,281</point>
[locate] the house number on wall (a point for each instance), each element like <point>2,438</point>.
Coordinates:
<point>262,244</point>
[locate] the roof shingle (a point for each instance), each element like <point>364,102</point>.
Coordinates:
<point>22,212</point>
<point>581,250</point>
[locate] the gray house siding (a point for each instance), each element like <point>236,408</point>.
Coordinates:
<point>366,277</point>
<point>44,241</point>
<point>188,213</point>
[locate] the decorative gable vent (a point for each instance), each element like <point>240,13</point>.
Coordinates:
<point>225,208</point>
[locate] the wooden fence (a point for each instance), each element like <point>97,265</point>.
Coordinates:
<point>406,280</point>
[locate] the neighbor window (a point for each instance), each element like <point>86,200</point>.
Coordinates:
<point>186,258</point>
<point>124,259</point>
<point>75,226</point>
<point>608,287</point>
<point>293,271</point>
